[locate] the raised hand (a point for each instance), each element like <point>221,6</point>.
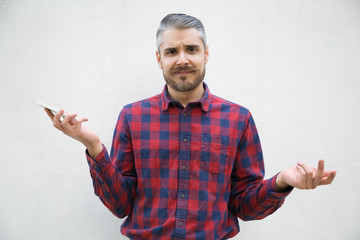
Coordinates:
<point>303,176</point>
<point>73,128</point>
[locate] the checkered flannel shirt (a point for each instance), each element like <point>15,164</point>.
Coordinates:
<point>184,172</point>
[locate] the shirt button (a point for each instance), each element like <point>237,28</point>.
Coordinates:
<point>183,167</point>
<point>185,140</point>
<point>185,115</point>
<point>180,224</point>
<point>182,195</point>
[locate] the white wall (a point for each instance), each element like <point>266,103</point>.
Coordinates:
<point>293,63</point>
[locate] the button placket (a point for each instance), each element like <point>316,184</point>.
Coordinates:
<point>184,163</point>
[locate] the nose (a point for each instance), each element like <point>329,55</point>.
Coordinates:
<point>182,59</point>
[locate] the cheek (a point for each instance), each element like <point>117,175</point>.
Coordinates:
<point>199,61</point>
<point>166,65</point>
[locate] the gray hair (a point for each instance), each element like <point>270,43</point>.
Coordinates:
<point>179,21</point>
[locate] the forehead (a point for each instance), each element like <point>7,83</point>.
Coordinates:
<point>174,37</point>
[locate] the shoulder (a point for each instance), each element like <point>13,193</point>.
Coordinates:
<point>231,114</point>
<point>144,103</point>
<point>224,105</point>
<point>134,110</point>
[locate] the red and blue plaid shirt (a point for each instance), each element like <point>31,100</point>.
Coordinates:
<point>184,173</point>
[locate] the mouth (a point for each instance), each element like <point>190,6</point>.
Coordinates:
<point>182,72</point>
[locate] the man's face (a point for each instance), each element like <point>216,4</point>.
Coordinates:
<point>182,58</point>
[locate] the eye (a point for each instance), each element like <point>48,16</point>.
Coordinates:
<point>170,52</point>
<point>192,50</point>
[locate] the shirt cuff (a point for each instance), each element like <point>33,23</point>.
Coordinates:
<point>100,162</point>
<point>273,191</point>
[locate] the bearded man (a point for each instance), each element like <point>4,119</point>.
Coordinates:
<point>185,164</point>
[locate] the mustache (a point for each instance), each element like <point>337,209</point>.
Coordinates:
<point>183,68</point>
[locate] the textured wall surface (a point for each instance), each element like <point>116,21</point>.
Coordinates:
<point>293,63</point>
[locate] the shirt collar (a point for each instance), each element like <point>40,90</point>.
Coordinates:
<point>205,101</point>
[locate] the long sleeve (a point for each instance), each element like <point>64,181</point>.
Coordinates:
<point>251,196</point>
<point>193,170</point>
<point>114,176</point>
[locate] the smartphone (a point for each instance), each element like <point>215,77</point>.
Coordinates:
<point>52,109</point>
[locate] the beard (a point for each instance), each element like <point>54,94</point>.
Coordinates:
<point>184,84</point>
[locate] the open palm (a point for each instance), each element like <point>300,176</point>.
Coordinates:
<point>303,176</point>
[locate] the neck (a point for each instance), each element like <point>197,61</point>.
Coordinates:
<point>186,97</point>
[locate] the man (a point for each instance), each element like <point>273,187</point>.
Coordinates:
<point>185,164</point>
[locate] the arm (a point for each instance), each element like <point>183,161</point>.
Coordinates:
<point>251,196</point>
<point>255,198</point>
<point>114,178</point>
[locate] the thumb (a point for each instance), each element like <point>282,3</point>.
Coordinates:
<point>78,122</point>
<point>81,120</point>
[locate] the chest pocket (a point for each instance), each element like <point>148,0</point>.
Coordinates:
<point>215,154</point>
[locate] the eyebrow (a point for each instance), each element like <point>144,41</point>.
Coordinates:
<point>187,46</point>
<point>193,46</point>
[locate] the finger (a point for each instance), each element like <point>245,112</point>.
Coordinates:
<point>319,174</point>
<point>68,120</point>
<point>326,173</point>
<point>329,179</point>
<point>302,181</point>
<point>73,121</point>
<point>309,175</point>
<point>57,121</point>
<point>304,174</point>
<point>49,113</point>
<point>81,120</point>
<point>78,122</point>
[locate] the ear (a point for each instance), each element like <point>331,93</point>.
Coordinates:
<point>206,54</point>
<point>158,58</point>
